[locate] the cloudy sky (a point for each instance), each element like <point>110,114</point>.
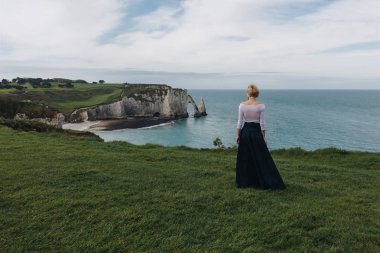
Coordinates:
<point>227,44</point>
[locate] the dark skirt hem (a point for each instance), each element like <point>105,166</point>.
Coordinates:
<point>259,188</point>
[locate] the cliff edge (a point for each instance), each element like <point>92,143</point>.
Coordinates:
<point>139,100</point>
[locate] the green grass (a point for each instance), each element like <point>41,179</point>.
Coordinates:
<point>62,193</point>
<point>7,91</point>
<point>66,100</point>
<point>68,106</point>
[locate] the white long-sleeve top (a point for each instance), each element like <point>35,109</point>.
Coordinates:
<point>251,113</point>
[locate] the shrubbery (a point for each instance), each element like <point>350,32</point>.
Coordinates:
<point>66,85</point>
<point>11,86</point>
<point>43,84</point>
<point>32,125</point>
<point>17,82</point>
<point>79,81</point>
<point>27,125</point>
<point>218,143</point>
<point>9,108</point>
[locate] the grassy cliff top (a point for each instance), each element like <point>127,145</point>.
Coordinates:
<point>64,193</point>
<point>66,100</point>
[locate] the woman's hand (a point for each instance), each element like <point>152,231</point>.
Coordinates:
<point>263,133</point>
<point>238,135</point>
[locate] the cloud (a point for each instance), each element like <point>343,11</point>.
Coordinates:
<point>43,29</point>
<point>201,36</point>
<point>363,46</point>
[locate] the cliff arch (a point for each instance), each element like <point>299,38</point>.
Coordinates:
<point>200,110</point>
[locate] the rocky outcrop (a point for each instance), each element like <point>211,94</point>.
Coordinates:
<point>199,110</point>
<point>202,108</point>
<point>150,100</point>
<point>56,121</point>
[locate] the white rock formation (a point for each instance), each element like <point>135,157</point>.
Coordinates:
<point>150,100</point>
<point>199,110</point>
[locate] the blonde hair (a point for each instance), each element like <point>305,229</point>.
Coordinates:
<point>253,91</point>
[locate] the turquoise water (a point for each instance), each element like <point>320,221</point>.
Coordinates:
<point>310,119</point>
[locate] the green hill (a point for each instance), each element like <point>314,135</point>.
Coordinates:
<point>33,101</point>
<point>63,192</point>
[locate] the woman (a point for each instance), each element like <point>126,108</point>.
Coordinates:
<point>254,165</point>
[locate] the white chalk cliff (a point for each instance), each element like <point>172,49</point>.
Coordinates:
<point>140,100</point>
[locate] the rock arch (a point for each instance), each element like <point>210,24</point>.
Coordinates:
<point>200,110</point>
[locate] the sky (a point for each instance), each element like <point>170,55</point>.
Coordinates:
<point>195,44</point>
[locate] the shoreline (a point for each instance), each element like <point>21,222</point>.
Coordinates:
<point>116,124</point>
<point>83,126</point>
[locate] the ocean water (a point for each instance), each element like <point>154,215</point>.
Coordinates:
<point>310,119</point>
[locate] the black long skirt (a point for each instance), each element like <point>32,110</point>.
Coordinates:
<point>254,165</point>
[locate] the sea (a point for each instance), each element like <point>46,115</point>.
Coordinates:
<point>310,119</point>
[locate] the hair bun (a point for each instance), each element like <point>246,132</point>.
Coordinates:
<point>253,91</point>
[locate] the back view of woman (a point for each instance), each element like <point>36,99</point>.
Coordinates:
<point>254,165</point>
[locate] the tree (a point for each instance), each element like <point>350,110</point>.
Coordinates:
<point>69,85</point>
<point>4,81</point>
<point>79,81</point>
<point>21,81</point>
<point>34,82</point>
<point>45,84</point>
<point>66,85</point>
<point>101,81</point>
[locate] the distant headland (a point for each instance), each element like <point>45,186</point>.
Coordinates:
<point>108,106</point>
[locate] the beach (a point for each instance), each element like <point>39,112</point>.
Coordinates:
<point>116,124</point>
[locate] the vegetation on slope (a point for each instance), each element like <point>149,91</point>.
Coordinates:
<point>63,193</point>
<point>56,98</point>
<point>40,99</point>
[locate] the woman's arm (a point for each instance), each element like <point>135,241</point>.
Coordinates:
<point>239,124</point>
<point>262,124</point>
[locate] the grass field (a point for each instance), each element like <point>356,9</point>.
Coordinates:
<point>66,100</point>
<point>66,193</point>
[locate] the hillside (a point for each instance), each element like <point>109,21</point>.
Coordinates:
<point>67,193</point>
<point>40,98</point>
<point>61,99</point>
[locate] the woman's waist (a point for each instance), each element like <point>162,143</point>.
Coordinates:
<point>252,123</point>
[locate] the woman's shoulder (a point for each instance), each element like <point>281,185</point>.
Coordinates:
<point>246,103</point>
